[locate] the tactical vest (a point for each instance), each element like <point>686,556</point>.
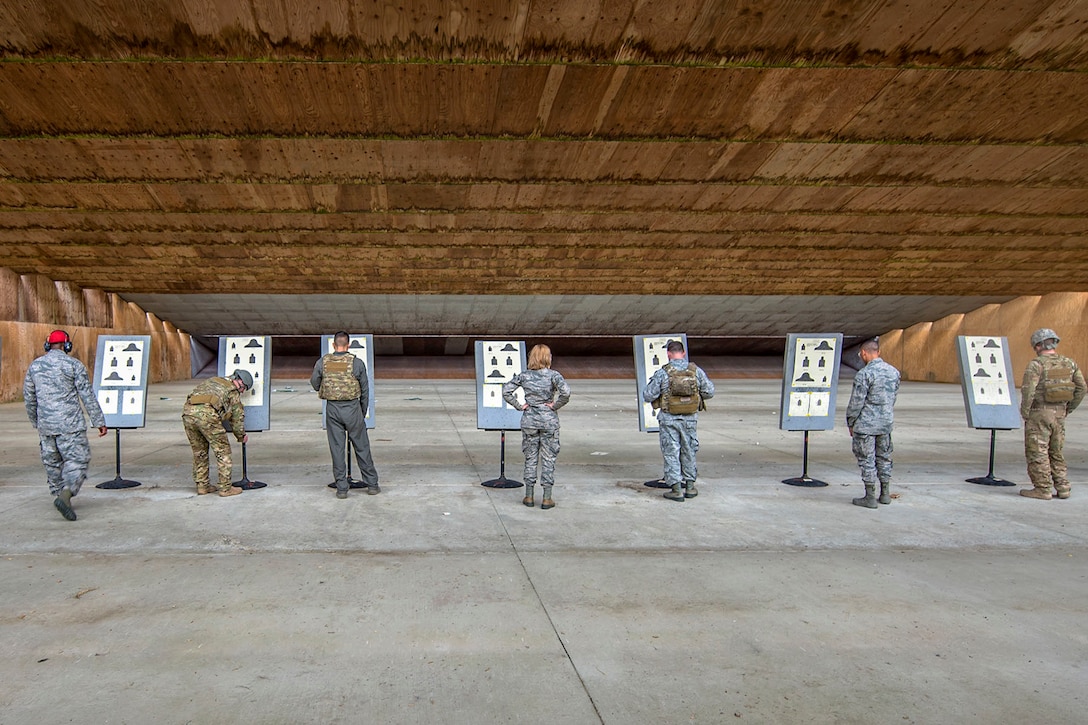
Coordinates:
<point>211,392</point>
<point>1057,379</point>
<point>337,381</point>
<point>680,394</point>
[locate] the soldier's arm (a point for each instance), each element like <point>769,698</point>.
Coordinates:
<point>509,390</point>
<point>86,394</point>
<point>706,386</point>
<point>652,391</point>
<point>858,395</point>
<point>30,398</point>
<point>237,417</point>
<point>315,376</point>
<point>1027,389</point>
<point>1079,389</point>
<point>562,390</point>
<point>359,367</point>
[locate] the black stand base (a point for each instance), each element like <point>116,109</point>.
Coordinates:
<point>245,484</point>
<point>804,481</point>
<point>502,482</point>
<point>990,481</point>
<point>351,484</point>
<point>119,483</point>
<point>659,483</point>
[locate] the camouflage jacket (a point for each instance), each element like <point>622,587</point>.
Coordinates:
<point>541,387</point>
<point>358,371</point>
<point>219,395</point>
<point>53,388</point>
<point>876,386</point>
<point>660,380</point>
<point>1031,392</point>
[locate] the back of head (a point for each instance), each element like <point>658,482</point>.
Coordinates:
<point>59,338</point>
<point>245,377</point>
<point>341,339</point>
<point>871,346</point>
<point>1045,338</point>
<point>540,357</point>
<point>674,346</point>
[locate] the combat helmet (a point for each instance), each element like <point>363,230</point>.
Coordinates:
<point>245,377</point>
<point>1042,334</point>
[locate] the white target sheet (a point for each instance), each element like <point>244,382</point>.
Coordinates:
<point>989,381</point>
<point>123,364</point>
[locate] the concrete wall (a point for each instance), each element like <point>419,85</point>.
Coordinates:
<point>927,351</point>
<point>31,306</point>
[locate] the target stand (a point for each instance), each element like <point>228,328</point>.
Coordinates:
<point>245,484</point>
<point>118,482</point>
<point>502,481</point>
<point>804,479</point>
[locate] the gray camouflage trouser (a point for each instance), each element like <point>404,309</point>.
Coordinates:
<point>679,439</point>
<point>874,454</point>
<point>65,457</point>
<point>541,447</point>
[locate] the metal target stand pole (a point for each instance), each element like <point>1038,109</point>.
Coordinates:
<point>988,479</point>
<point>245,484</point>
<point>804,480</point>
<point>502,481</point>
<point>118,482</point>
<point>352,482</point>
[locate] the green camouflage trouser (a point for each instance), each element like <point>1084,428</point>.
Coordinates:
<point>1044,438</point>
<point>204,429</point>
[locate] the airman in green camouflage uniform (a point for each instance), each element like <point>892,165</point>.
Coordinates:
<point>213,403</point>
<point>1053,387</point>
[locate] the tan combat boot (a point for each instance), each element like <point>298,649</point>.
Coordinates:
<point>232,491</point>
<point>1039,493</point>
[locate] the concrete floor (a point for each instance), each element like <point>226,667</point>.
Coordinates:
<point>441,601</point>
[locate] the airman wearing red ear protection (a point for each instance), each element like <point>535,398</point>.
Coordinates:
<point>54,388</point>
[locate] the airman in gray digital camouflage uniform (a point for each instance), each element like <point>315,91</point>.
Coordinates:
<point>869,419</point>
<point>212,403</point>
<point>678,390</point>
<point>545,393</point>
<point>53,389</point>
<point>1053,387</point>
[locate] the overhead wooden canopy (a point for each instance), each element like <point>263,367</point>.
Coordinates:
<point>857,147</point>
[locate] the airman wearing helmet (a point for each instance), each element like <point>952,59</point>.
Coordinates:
<point>212,403</point>
<point>1053,387</point>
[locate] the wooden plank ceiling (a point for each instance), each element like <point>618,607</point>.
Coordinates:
<point>560,147</point>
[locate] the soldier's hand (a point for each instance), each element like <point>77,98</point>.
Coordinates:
<point>245,438</point>
<point>102,430</point>
<point>850,430</point>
